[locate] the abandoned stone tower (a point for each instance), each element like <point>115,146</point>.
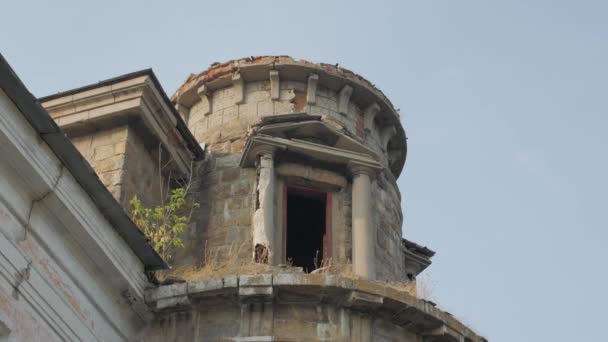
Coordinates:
<point>294,165</point>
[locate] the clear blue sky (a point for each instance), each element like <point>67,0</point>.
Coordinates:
<point>505,104</point>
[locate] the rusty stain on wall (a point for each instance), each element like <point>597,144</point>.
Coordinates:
<point>44,266</point>
<point>299,100</point>
<point>360,125</point>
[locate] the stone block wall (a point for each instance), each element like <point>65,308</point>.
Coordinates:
<point>123,163</point>
<point>388,220</point>
<point>142,176</point>
<point>230,200</point>
<point>105,150</point>
<point>343,243</point>
<point>222,225</point>
<point>228,192</point>
<point>222,113</point>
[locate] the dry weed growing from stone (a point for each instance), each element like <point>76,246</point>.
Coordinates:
<point>422,288</point>
<point>218,263</point>
<point>425,287</point>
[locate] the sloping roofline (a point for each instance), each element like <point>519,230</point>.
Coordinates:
<point>80,169</point>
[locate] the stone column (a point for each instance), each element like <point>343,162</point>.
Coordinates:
<point>263,218</point>
<point>364,235</point>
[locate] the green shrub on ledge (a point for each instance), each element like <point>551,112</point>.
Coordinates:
<point>164,224</point>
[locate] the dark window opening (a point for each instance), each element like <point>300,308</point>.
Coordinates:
<point>307,239</point>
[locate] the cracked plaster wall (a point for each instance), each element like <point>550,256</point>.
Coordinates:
<point>53,284</point>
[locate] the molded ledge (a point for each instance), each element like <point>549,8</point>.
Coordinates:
<point>401,308</point>
<point>116,102</point>
<point>350,85</point>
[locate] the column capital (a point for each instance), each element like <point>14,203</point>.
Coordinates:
<point>265,150</point>
<point>358,168</point>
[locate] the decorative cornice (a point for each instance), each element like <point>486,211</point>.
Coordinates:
<point>413,314</point>
<point>417,258</point>
<point>315,151</point>
<point>351,86</point>
<point>271,135</point>
<point>116,104</point>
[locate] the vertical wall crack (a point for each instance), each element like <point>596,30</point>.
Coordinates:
<point>21,276</point>
<point>24,274</point>
<point>37,200</point>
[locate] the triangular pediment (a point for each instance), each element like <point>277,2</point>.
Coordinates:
<point>307,135</point>
<point>310,128</point>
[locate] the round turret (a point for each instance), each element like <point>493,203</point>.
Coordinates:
<point>300,224</point>
<point>237,93</point>
<point>287,141</point>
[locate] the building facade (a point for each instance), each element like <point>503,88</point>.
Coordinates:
<point>295,166</point>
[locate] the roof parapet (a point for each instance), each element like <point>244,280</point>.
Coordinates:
<point>348,84</point>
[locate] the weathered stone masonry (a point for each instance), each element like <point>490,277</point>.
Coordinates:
<point>127,132</point>
<point>257,135</point>
<point>223,104</point>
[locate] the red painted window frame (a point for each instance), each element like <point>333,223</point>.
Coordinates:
<point>327,238</point>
